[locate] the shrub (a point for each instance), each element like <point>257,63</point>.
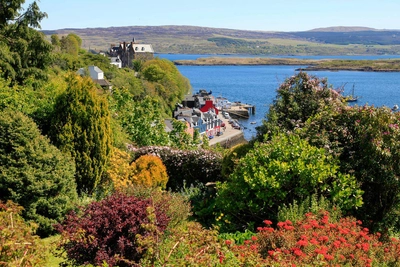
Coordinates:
<point>112,230</point>
<point>316,241</point>
<point>178,206</point>
<point>366,141</point>
<point>149,170</point>
<point>34,173</point>
<point>19,246</point>
<point>232,157</point>
<point>119,169</point>
<point>186,166</point>
<point>278,172</point>
<point>297,210</point>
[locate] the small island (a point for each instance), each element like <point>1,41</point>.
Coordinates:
<point>381,65</point>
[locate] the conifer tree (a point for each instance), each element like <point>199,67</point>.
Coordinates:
<point>81,126</point>
<point>34,173</point>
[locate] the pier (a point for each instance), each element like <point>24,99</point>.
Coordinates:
<point>242,111</point>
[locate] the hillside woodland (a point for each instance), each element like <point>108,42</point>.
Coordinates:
<point>90,177</point>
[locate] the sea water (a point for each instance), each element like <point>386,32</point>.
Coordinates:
<point>256,85</point>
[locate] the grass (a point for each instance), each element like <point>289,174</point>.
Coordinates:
<point>50,244</point>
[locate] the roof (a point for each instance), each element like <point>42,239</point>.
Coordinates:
<point>102,82</point>
<point>95,69</point>
<point>142,48</point>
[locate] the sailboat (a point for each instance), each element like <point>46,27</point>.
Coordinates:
<point>352,97</point>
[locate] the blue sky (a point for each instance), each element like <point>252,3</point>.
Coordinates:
<point>264,15</point>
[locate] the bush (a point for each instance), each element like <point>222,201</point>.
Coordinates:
<point>149,171</point>
<point>186,166</point>
<point>278,172</point>
<point>33,173</point>
<point>316,241</point>
<point>366,141</point>
<point>113,230</point>
<point>297,211</point>
<point>231,159</point>
<point>19,246</point>
<point>178,206</point>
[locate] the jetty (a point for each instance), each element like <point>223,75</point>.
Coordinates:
<point>239,110</point>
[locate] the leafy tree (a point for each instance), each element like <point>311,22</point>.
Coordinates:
<point>298,98</point>
<point>70,45</point>
<point>137,65</point>
<point>278,172</point>
<point>143,123</point>
<point>24,51</point>
<point>33,173</point>
<point>81,126</point>
<point>366,141</point>
<point>179,136</point>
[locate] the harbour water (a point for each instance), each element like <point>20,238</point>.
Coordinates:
<point>256,85</point>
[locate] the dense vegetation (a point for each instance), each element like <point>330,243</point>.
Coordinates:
<point>94,169</point>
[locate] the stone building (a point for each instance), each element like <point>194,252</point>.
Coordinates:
<point>126,52</point>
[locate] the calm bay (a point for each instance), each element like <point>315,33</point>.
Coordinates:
<point>256,85</point>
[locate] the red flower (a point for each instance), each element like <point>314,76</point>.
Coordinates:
<point>228,242</point>
<point>302,243</point>
<point>267,222</point>
<point>254,238</point>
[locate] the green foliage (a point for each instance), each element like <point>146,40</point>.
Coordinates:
<point>186,166</point>
<point>24,52</point>
<point>278,172</point>
<point>137,65</point>
<point>179,208</point>
<point>33,173</point>
<point>298,98</point>
<point>366,140</point>
<point>143,123</point>
<point>232,157</point>
<point>81,127</point>
<point>19,246</point>
<point>297,211</point>
<point>179,137</point>
<point>167,83</point>
<point>70,45</point>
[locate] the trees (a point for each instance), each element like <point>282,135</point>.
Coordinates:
<point>80,126</point>
<point>298,98</point>
<point>34,173</point>
<point>284,169</point>
<point>24,51</point>
<point>366,141</point>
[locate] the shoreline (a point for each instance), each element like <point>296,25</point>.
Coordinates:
<point>378,65</point>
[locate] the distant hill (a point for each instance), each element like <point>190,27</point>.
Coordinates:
<point>206,40</point>
<point>343,29</point>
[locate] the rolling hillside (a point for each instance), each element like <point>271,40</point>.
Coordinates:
<point>205,40</point>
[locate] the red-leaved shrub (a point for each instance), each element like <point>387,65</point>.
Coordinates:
<point>111,230</point>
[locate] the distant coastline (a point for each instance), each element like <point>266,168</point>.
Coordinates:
<point>380,65</point>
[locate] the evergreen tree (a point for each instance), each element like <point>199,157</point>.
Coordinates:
<point>24,51</point>
<point>81,127</point>
<point>33,173</point>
